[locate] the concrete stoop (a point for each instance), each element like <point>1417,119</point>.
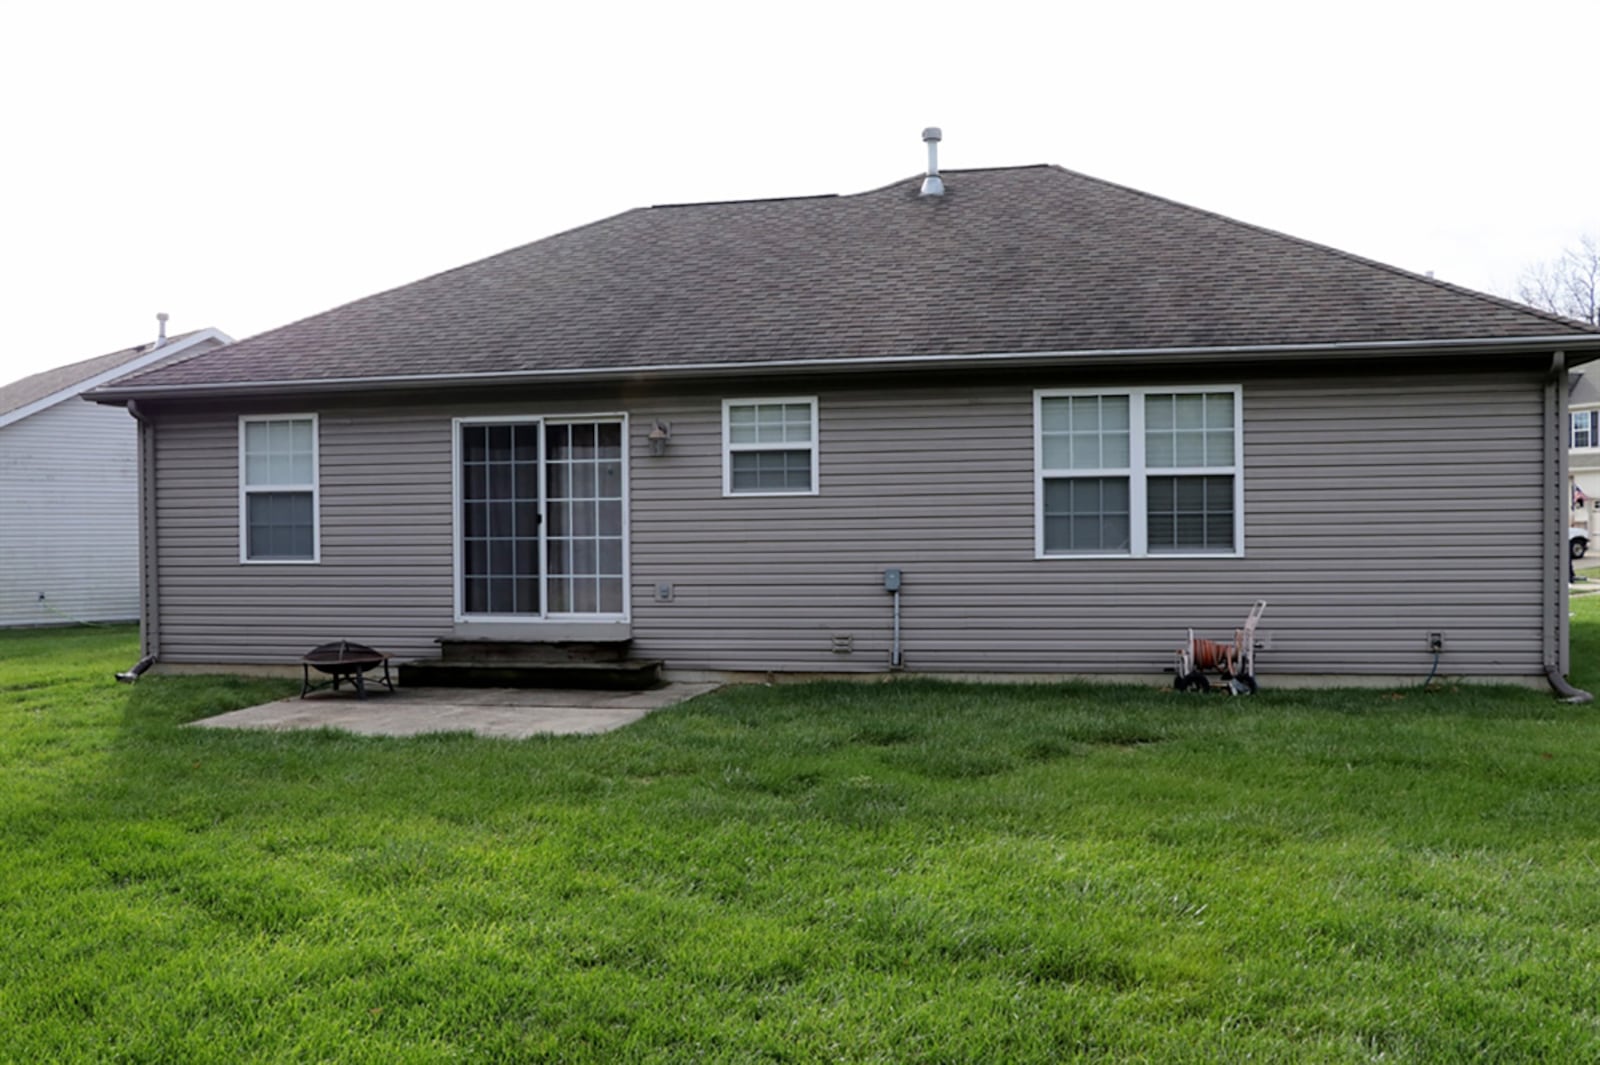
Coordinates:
<point>484,663</point>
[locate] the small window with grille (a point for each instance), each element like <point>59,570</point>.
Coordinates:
<point>769,446</point>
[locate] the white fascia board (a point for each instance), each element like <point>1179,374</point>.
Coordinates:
<point>138,362</point>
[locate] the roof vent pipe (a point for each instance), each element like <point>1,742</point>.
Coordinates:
<point>931,185</point>
<point>161,328</point>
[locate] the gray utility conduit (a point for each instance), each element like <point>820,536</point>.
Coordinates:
<point>891,584</point>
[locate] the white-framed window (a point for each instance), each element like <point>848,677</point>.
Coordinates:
<point>1586,429</point>
<point>278,501</point>
<point>1133,472</point>
<point>769,446</point>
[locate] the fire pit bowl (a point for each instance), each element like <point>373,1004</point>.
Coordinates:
<point>343,660</point>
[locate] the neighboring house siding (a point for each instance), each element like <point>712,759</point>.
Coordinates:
<point>69,516</point>
<point>1377,509</point>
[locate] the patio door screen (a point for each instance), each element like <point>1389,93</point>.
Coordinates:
<point>541,518</point>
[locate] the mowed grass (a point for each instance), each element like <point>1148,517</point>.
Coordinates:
<point>901,872</point>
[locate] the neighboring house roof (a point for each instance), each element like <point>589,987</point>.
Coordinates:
<point>1008,263</point>
<point>45,389</point>
<point>1583,390</point>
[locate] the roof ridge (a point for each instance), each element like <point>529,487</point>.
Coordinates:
<point>758,199</point>
<point>919,175</point>
<point>850,195</point>
<point>1484,297</point>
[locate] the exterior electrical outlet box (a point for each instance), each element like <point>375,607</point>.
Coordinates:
<point>891,580</point>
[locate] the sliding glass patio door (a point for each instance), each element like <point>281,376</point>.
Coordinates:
<point>541,518</point>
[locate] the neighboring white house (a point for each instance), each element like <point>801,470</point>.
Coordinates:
<point>1583,449</point>
<point>69,503</point>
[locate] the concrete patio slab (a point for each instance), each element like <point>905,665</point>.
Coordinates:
<point>506,713</point>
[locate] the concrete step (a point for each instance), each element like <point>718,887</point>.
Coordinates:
<point>629,674</point>
<point>551,652</point>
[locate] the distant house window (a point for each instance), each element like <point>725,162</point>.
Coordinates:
<point>278,489</point>
<point>1586,428</point>
<point>1137,472</point>
<point>769,447</point>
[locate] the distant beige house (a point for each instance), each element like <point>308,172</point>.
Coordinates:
<point>69,498</point>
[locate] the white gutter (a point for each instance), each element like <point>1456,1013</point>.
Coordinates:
<point>1093,357</point>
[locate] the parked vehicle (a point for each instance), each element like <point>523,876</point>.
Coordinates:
<point>1577,541</point>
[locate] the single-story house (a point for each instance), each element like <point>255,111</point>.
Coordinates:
<point>1076,419</point>
<point>69,501</point>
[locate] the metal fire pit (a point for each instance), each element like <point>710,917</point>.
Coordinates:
<point>342,660</point>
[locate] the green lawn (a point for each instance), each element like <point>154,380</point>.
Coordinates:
<point>913,871</point>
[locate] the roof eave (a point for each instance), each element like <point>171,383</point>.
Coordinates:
<point>1580,348</point>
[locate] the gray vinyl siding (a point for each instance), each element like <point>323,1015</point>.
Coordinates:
<point>384,578</point>
<point>1377,509</point>
<point>1374,512</point>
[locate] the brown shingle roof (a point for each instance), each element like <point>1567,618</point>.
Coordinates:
<point>1028,259</point>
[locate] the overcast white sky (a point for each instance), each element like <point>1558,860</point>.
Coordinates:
<point>246,165</point>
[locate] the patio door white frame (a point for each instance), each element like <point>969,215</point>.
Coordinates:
<point>565,476</point>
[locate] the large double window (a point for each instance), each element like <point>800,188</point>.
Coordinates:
<point>1135,472</point>
<point>540,513</point>
<point>278,489</point>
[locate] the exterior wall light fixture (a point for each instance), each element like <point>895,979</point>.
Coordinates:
<point>660,433</point>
